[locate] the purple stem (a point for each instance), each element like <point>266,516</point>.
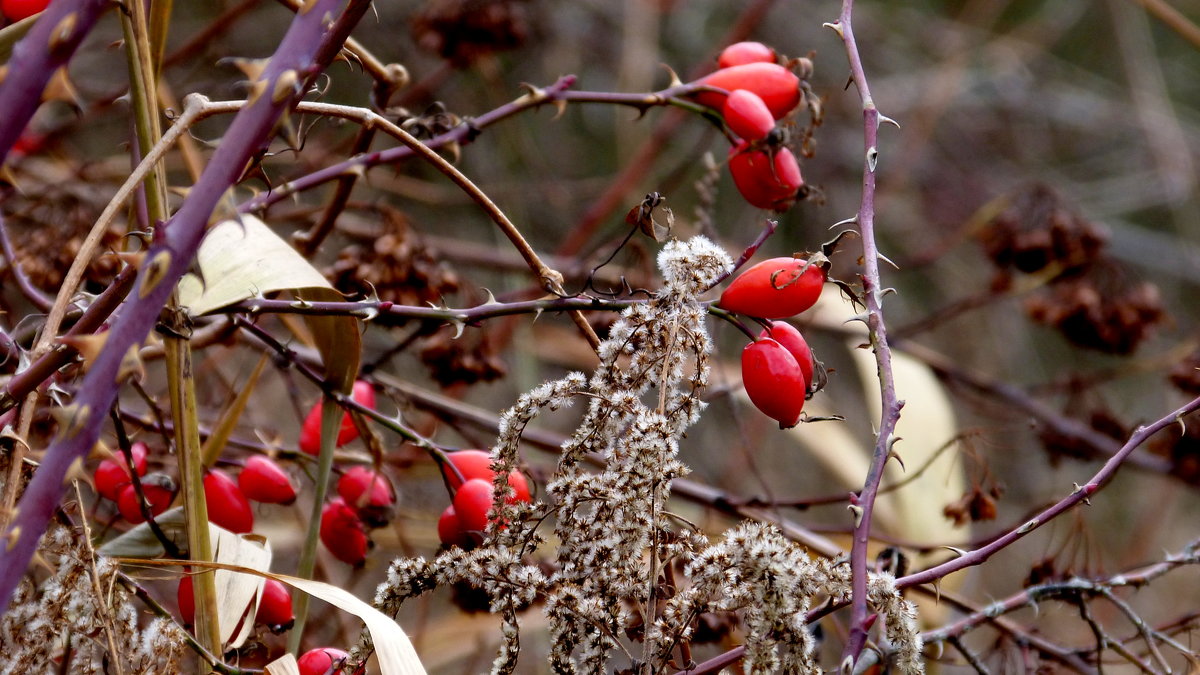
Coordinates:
<point>462,134</point>
<point>312,40</point>
<point>864,506</point>
<point>1080,494</point>
<point>35,58</point>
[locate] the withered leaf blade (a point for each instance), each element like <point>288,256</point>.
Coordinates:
<point>643,217</point>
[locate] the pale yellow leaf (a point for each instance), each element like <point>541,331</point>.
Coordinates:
<point>284,665</point>
<point>240,259</point>
<point>238,594</point>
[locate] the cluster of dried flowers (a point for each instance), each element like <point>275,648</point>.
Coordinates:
<point>81,614</point>
<point>613,574</point>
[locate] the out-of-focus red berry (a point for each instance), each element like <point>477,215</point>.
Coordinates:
<point>370,493</point>
<point>15,10</point>
<point>227,506</point>
<point>471,504</point>
<point>765,181</point>
<point>310,433</point>
<point>747,115</point>
<point>265,481</point>
<point>478,464</point>
<point>112,474</point>
<point>159,490</point>
<point>741,53</point>
<point>321,661</point>
<point>451,532</point>
<point>275,607</point>
<point>343,533</point>
<point>186,598</point>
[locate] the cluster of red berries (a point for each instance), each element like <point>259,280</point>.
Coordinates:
<point>365,498</point>
<point>777,368</point>
<point>760,92</point>
<point>463,522</point>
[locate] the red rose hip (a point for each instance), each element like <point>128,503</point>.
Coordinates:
<point>451,532</point>
<point>787,335</point>
<point>766,180</point>
<point>778,87</point>
<point>321,661</point>
<point>227,506</point>
<point>773,381</point>
<point>472,503</point>
<point>159,490</point>
<point>262,480</point>
<point>343,533</point>
<point>478,464</point>
<point>112,474</point>
<point>775,289</point>
<point>747,115</point>
<point>310,434</point>
<point>741,53</point>
<point>275,607</point>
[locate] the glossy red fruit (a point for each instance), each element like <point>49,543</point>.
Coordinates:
<point>262,480</point>
<point>472,502</point>
<point>451,532</point>
<point>362,486</point>
<point>187,600</point>
<point>227,506</point>
<point>15,10</point>
<point>159,490</point>
<point>777,86</point>
<point>321,661</point>
<point>370,493</point>
<point>741,53</point>
<point>275,607</point>
<point>787,335</point>
<point>343,533</point>
<point>766,180</point>
<point>478,464</point>
<point>774,381</point>
<point>747,115</point>
<point>112,474</point>
<point>310,434</point>
<point>774,289</point>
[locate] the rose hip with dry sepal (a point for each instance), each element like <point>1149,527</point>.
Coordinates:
<point>775,289</point>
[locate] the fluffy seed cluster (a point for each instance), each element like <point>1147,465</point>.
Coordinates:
<point>81,614</point>
<point>613,580</point>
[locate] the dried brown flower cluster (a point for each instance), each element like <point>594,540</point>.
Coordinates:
<point>79,619</point>
<point>604,591</point>
<point>1090,297</point>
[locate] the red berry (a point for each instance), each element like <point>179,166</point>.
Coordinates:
<point>321,661</point>
<point>227,506</point>
<point>747,115</point>
<point>775,289</point>
<point>765,181</point>
<point>451,532</point>
<point>187,600</point>
<point>362,486</point>
<point>741,53</point>
<point>15,10</point>
<point>310,433</point>
<point>478,464</point>
<point>777,86</point>
<point>471,504</point>
<point>370,493</point>
<point>786,334</point>
<point>343,533</point>
<point>159,490</point>
<point>265,481</point>
<point>112,474</point>
<point>275,607</point>
<point>774,381</point>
